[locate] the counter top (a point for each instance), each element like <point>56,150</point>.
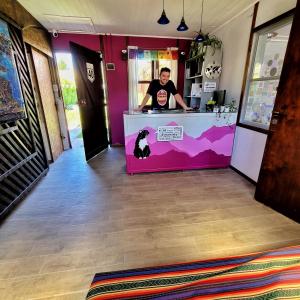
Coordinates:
<point>172,111</point>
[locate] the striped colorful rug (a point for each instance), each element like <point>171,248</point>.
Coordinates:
<point>266,275</point>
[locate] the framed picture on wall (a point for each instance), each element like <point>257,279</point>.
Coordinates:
<point>12,106</point>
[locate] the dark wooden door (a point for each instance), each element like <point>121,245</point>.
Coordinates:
<point>279,180</point>
<point>90,94</point>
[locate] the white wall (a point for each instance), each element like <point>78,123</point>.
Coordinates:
<point>248,144</point>
<point>248,151</point>
<point>269,9</point>
<point>235,38</point>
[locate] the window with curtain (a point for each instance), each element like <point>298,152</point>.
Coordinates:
<point>268,51</point>
<point>144,66</point>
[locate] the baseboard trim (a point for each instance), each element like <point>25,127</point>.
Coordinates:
<point>243,175</point>
<point>13,204</point>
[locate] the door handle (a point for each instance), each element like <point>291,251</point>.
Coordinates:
<point>278,114</point>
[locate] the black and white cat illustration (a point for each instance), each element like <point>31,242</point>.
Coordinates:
<point>141,149</point>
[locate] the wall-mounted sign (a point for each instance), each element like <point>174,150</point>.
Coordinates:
<point>210,86</point>
<point>169,133</point>
<point>90,72</point>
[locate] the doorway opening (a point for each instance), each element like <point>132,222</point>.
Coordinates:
<point>68,86</point>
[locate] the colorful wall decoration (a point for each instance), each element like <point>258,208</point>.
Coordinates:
<point>12,106</point>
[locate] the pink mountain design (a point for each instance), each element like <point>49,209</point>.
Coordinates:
<point>217,139</point>
<point>215,133</point>
<point>175,160</point>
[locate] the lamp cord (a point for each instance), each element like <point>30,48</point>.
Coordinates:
<point>183,8</point>
<point>201,15</point>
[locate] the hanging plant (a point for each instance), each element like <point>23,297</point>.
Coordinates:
<point>199,49</point>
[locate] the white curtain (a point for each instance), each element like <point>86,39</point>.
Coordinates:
<point>132,78</point>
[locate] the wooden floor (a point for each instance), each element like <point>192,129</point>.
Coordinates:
<point>87,218</point>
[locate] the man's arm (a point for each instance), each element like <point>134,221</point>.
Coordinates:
<point>144,102</point>
<point>180,101</point>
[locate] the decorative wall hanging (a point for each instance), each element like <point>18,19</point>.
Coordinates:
<point>12,106</point>
<point>213,70</point>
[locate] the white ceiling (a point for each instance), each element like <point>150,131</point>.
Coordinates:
<point>133,17</point>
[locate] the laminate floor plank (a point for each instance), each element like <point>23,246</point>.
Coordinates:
<point>87,218</point>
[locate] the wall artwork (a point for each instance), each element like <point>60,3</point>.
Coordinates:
<point>12,106</point>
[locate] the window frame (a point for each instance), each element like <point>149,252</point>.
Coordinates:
<point>154,71</point>
<point>153,65</point>
<point>248,71</point>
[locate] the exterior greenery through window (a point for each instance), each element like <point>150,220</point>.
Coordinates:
<point>268,51</point>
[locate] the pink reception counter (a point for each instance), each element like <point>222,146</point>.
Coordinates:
<point>176,140</point>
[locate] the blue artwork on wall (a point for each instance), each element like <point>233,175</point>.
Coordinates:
<point>12,106</point>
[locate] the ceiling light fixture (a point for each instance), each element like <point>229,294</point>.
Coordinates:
<point>182,26</point>
<point>200,37</point>
<point>163,20</point>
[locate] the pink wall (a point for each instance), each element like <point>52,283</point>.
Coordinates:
<point>61,43</point>
<point>117,80</point>
<point>117,83</point>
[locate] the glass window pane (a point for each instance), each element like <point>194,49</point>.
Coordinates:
<point>267,60</point>
<point>144,70</point>
<point>260,102</point>
<point>270,51</point>
<point>164,63</point>
<point>142,90</point>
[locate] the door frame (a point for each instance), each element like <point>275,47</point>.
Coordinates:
<point>92,99</point>
<point>39,104</point>
<point>58,95</point>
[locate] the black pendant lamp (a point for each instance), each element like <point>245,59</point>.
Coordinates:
<point>182,26</point>
<point>163,20</point>
<point>200,37</point>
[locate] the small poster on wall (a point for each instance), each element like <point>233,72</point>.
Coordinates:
<point>196,90</point>
<point>12,106</point>
<point>210,86</point>
<point>169,133</point>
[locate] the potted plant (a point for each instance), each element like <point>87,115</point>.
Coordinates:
<point>199,49</point>
<point>210,105</point>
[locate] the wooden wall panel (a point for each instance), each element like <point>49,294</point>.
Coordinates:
<point>42,71</point>
<point>33,32</point>
<point>22,155</point>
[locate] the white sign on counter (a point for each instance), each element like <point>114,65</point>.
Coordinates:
<point>169,133</point>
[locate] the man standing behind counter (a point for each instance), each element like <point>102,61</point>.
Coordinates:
<point>160,91</point>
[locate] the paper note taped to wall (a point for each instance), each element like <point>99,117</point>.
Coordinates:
<point>210,86</point>
<point>169,133</point>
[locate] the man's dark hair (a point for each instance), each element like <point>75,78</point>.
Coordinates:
<point>164,70</point>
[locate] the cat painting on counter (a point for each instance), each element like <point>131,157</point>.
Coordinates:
<point>141,149</point>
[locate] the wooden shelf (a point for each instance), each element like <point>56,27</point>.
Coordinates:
<point>9,129</point>
<point>193,58</point>
<point>196,76</point>
<point>192,96</point>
